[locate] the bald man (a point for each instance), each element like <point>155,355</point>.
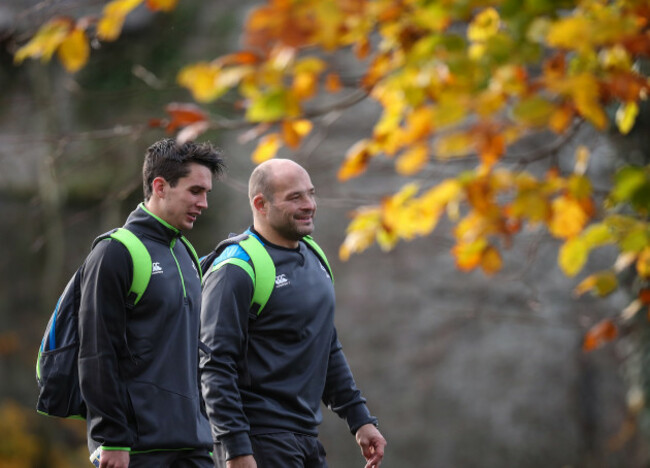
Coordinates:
<point>267,374</point>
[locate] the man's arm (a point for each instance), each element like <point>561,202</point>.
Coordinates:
<point>343,397</point>
<point>226,300</point>
<point>105,281</point>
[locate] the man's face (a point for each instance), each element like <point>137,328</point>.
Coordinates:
<point>291,212</point>
<point>182,204</point>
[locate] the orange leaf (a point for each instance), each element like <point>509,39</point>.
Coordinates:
<point>183,115</point>
<point>110,25</point>
<point>643,263</point>
<point>267,148</point>
<point>561,119</point>
<point>293,131</point>
<point>333,83</point>
<point>644,296</point>
<point>419,125</point>
<point>469,254</point>
<point>239,58</point>
<point>356,161</point>
<point>74,50</point>
<point>161,5</point>
<point>491,260</point>
<point>599,334</point>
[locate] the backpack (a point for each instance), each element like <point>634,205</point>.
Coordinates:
<point>262,272</point>
<point>57,373</point>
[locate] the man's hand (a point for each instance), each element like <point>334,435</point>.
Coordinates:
<point>372,445</point>
<point>245,461</point>
<point>114,459</point>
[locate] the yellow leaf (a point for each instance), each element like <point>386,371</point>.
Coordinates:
<point>110,25</point>
<point>201,80</point>
<point>74,50</point>
<point>601,284</point>
<point>46,41</point>
<point>579,186</point>
<point>419,125</point>
<point>267,148</point>
<point>491,261</point>
<point>361,232</point>
<point>304,85</point>
<point>453,145</point>
<point>626,116</point>
<point>586,94</point>
<point>573,256</point>
<point>531,204</point>
<point>412,160</point>
<point>643,263</point>
<point>484,25</point>
<point>356,161</point>
<point>161,5</point>
<point>293,131</point>
<point>568,217</point>
<point>570,33</point>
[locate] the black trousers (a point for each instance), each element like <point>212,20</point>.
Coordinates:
<point>281,450</point>
<point>173,459</point>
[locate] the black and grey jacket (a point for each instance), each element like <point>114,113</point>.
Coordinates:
<point>269,373</point>
<point>138,368</point>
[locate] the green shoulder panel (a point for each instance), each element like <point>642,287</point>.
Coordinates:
<point>141,261</point>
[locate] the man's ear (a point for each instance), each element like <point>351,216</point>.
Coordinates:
<point>159,186</point>
<point>259,203</point>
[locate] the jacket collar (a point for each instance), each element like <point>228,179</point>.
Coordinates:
<point>143,221</point>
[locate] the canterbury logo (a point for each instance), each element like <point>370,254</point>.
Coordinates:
<point>281,280</point>
<point>156,269</point>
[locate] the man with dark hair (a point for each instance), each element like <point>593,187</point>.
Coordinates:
<point>267,373</point>
<point>138,364</point>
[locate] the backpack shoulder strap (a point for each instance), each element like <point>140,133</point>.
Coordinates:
<point>311,243</point>
<point>195,257</point>
<point>141,261</point>
<point>245,248</point>
<point>264,272</point>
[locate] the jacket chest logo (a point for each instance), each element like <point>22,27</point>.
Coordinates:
<point>156,269</point>
<point>281,280</point>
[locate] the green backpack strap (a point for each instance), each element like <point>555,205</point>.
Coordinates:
<point>141,261</point>
<point>195,257</point>
<point>264,272</point>
<point>316,248</point>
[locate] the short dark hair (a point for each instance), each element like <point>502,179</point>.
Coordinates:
<point>167,159</point>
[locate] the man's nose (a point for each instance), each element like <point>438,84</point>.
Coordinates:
<point>203,201</point>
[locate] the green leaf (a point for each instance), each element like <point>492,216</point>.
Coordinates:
<point>534,111</point>
<point>573,256</point>
<point>626,182</point>
<point>268,107</point>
